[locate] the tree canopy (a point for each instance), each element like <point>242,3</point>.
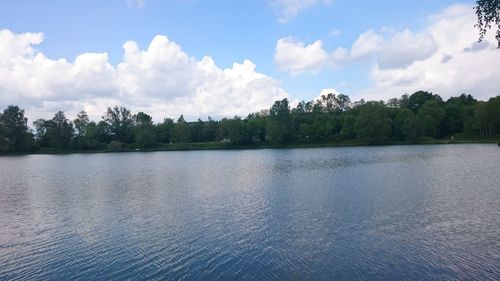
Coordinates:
<point>331,119</point>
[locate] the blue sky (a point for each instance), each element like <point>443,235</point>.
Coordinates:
<point>233,31</point>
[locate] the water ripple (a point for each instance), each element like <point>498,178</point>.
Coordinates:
<point>381,213</point>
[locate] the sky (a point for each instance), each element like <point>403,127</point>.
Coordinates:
<point>223,58</point>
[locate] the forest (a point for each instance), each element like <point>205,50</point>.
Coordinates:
<point>422,117</point>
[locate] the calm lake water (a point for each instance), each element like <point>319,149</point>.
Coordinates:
<point>364,213</point>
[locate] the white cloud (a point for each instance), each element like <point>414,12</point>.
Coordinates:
<point>389,49</point>
<point>161,80</point>
<point>459,64</point>
<point>296,57</point>
<point>406,47</point>
<point>368,43</point>
<point>444,57</point>
<point>289,9</point>
<point>394,49</point>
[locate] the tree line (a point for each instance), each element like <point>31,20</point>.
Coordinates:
<point>330,119</point>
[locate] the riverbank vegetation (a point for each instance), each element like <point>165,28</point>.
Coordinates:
<point>332,119</point>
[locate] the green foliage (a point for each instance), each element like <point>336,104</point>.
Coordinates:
<point>120,122</point>
<point>115,146</point>
<point>431,115</point>
<point>487,117</point>
<point>55,133</point>
<point>182,132</point>
<point>332,119</point>
<point>373,125</point>
<point>237,132</point>
<point>143,120</point>
<point>279,127</point>
<point>145,137</point>
<point>166,131</point>
<point>197,131</point>
<point>418,99</point>
<point>144,130</point>
<point>81,124</point>
<point>275,133</point>
<point>407,126</point>
<point>14,133</point>
<point>348,131</point>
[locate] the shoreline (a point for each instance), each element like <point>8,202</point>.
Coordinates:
<point>219,146</point>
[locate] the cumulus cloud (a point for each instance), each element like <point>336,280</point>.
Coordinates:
<point>443,57</point>
<point>459,64</point>
<point>368,43</point>
<point>289,9</point>
<point>161,80</point>
<point>297,57</point>
<point>390,50</point>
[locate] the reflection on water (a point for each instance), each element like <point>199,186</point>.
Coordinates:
<point>399,212</point>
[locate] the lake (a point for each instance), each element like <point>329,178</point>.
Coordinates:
<point>360,213</point>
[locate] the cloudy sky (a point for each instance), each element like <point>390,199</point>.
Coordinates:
<point>226,58</point>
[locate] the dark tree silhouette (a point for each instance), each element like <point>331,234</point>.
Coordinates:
<point>488,15</point>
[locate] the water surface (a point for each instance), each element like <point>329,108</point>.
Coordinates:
<point>364,213</point>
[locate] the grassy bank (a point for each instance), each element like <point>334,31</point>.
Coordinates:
<point>226,146</point>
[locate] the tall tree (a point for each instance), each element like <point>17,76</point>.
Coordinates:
<point>165,130</point>
<point>81,123</point>
<point>407,126</point>
<point>145,133</point>
<point>56,132</point>
<point>120,122</point>
<point>197,131</point>
<point>279,128</point>
<point>431,114</point>
<point>372,124</point>
<point>182,132</point>
<point>15,135</point>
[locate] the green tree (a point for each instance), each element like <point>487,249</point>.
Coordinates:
<point>418,99</point>
<point>182,132</point>
<point>93,136</point>
<point>275,132</point>
<point>166,130</point>
<point>55,133</point>
<point>143,120</point>
<point>348,132</point>
<point>120,123</point>
<point>145,133</point>
<point>487,116</point>
<point>431,114</point>
<point>408,126</point>
<point>197,131</point>
<point>237,132</point>
<point>278,130</point>
<point>372,124</point>
<point>256,128</point>
<point>209,132</point>
<point>81,123</point>
<point>15,135</point>
<point>454,119</point>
